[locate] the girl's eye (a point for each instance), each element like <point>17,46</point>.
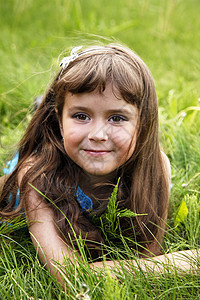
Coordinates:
<point>81,117</point>
<point>117,119</point>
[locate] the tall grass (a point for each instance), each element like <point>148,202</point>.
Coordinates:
<point>166,35</point>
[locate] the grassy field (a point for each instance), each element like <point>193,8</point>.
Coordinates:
<point>34,33</point>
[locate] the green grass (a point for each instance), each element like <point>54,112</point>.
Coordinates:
<point>166,35</point>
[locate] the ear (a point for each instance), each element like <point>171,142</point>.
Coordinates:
<point>60,123</point>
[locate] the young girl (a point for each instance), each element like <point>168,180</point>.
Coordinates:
<point>97,122</point>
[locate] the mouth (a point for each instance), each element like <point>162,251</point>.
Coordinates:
<point>96,153</point>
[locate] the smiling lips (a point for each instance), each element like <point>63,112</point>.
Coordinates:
<point>96,153</point>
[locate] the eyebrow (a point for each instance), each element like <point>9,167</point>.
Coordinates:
<point>109,111</point>
<point>119,111</point>
<point>78,108</point>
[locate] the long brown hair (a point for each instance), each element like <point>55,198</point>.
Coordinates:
<point>144,187</point>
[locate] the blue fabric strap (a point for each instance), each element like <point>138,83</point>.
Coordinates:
<point>9,169</point>
<point>10,166</point>
<point>84,201</point>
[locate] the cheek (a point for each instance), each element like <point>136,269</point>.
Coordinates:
<point>71,144</point>
<point>125,141</point>
<point>73,137</point>
<point>123,138</point>
<point>131,147</point>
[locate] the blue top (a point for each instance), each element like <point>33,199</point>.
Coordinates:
<point>84,201</point>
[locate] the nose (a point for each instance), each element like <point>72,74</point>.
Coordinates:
<point>98,132</point>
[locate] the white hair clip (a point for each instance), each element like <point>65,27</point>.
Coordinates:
<point>66,60</point>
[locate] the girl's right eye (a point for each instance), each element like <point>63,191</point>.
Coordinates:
<point>81,117</point>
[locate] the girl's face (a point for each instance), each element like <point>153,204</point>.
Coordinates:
<point>99,131</point>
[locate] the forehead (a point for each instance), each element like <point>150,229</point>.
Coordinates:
<point>107,101</point>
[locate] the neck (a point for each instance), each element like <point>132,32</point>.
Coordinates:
<point>97,186</point>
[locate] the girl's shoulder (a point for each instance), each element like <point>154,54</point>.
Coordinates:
<point>27,164</point>
<point>167,165</point>
<point>33,201</point>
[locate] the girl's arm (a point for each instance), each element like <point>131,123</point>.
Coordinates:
<point>179,262</point>
<point>49,246</point>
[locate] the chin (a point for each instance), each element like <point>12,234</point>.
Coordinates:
<point>100,172</point>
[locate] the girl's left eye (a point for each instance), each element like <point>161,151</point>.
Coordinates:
<point>117,119</point>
